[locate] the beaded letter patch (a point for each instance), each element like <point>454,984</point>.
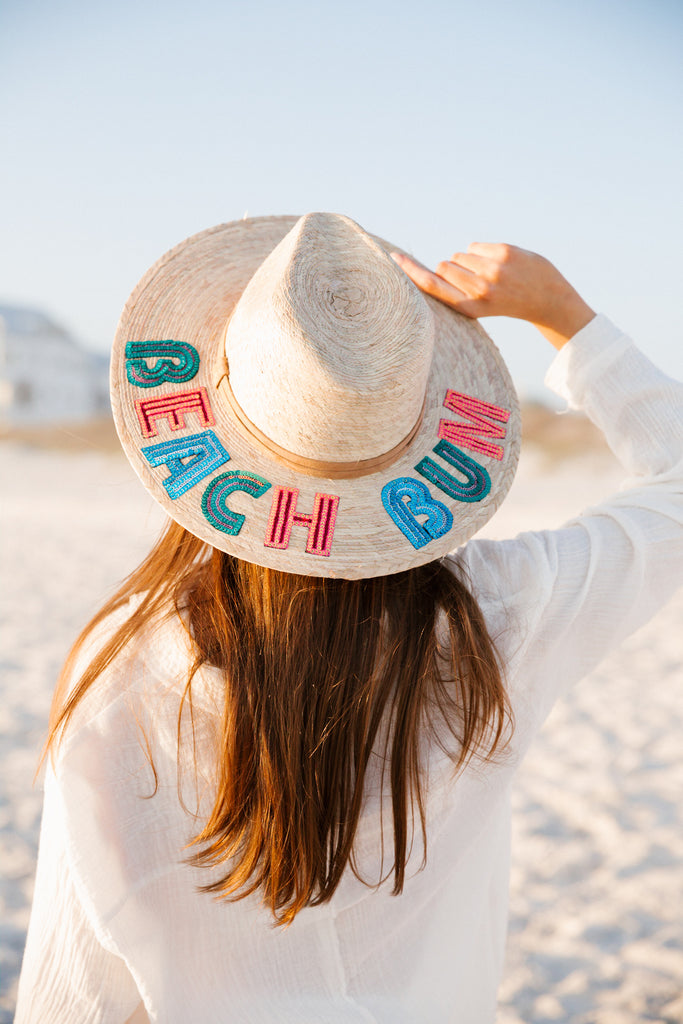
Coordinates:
<point>214,500</point>
<point>405,499</point>
<point>320,523</point>
<point>174,407</point>
<point>204,453</point>
<point>479,413</point>
<point>477,482</point>
<point>176,361</point>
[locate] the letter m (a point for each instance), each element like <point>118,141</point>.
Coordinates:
<point>482,422</point>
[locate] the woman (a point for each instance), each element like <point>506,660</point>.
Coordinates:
<point>281,756</point>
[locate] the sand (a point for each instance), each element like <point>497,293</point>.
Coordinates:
<point>596,906</point>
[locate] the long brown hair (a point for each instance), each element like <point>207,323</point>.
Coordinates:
<point>317,673</point>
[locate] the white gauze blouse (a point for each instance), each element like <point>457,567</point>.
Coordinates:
<point>117,920</point>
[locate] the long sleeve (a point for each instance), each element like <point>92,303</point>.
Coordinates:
<point>118,912</point>
<point>67,977</point>
<point>559,600</point>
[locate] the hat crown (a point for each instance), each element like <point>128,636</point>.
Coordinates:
<point>330,345</point>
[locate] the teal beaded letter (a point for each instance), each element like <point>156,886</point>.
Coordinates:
<point>477,483</point>
<point>214,500</point>
<point>176,361</point>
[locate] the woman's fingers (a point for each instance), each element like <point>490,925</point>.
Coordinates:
<point>497,251</point>
<point>452,287</point>
<point>428,281</point>
<point>469,281</point>
<point>494,279</point>
<point>482,266</point>
<point>458,274</point>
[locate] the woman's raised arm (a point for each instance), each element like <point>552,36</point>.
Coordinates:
<point>492,279</point>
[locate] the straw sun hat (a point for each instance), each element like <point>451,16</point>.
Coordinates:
<point>288,395</point>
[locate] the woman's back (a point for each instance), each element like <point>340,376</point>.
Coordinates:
<point>141,769</point>
<point>354,957</point>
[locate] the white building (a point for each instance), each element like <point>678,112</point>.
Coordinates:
<point>45,377</point>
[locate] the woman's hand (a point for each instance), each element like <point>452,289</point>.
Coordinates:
<point>502,280</point>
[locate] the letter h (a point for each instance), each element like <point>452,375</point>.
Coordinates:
<point>320,523</point>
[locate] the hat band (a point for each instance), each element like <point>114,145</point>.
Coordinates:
<point>317,467</point>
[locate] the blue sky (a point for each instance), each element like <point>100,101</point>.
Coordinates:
<point>556,126</point>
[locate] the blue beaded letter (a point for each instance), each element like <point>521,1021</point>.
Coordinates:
<point>405,499</point>
<point>176,361</point>
<point>204,452</point>
<point>214,501</point>
<point>477,482</point>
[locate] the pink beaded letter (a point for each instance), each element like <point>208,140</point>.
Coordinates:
<point>174,408</point>
<point>320,523</point>
<point>479,414</point>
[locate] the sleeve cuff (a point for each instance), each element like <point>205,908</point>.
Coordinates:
<point>584,358</point>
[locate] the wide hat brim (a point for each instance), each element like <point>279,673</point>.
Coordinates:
<point>189,297</point>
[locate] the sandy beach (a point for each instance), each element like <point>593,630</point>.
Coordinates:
<point>596,915</point>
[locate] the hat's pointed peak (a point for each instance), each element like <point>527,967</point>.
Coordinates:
<point>333,235</point>
<point>324,220</point>
<point>332,326</point>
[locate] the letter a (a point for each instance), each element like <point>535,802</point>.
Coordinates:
<point>204,453</point>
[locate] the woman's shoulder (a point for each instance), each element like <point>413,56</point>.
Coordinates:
<point>148,672</point>
<point>503,574</point>
<point>511,581</point>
